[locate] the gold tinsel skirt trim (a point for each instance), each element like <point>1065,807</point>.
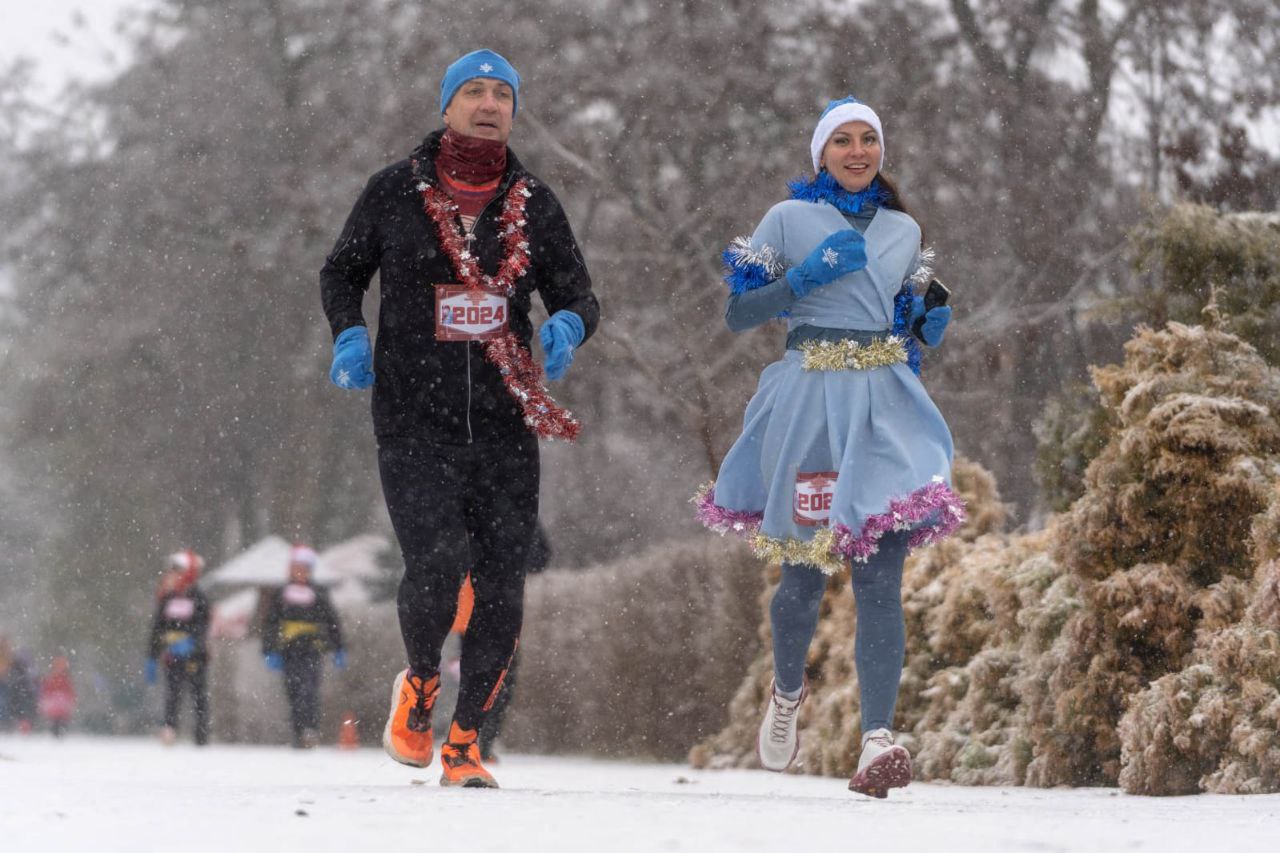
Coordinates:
<point>816,552</point>
<point>851,355</point>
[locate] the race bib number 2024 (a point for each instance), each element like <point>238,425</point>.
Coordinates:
<point>463,314</point>
<point>813,497</point>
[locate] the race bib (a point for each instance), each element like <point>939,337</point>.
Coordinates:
<point>299,595</point>
<point>814,493</point>
<point>179,609</point>
<point>463,314</point>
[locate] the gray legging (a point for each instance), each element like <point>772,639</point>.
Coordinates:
<point>880,642</point>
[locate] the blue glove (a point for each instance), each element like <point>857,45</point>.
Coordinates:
<point>340,659</point>
<point>352,359</point>
<point>560,335</point>
<point>840,254</point>
<point>275,663</point>
<point>183,648</point>
<point>935,323</point>
<point>151,670</point>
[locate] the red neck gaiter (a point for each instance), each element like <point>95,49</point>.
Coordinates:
<point>469,169</point>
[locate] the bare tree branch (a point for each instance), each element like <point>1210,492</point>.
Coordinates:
<point>987,57</point>
<point>1028,38</point>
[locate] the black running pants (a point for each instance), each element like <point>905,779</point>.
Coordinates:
<point>302,669</point>
<point>459,508</point>
<point>192,672</point>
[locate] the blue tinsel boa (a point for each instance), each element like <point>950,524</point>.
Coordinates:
<point>824,187</point>
<point>901,317</point>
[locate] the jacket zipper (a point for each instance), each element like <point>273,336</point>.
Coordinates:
<point>469,437</point>
<point>502,191</point>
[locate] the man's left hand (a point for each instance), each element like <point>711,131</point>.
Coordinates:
<point>560,335</point>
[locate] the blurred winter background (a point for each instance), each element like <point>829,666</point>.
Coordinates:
<point>172,173</point>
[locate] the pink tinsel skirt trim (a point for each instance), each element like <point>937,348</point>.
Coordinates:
<point>723,520</point>
<point>931,512</point>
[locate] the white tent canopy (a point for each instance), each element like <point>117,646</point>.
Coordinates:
<point>266,563</point>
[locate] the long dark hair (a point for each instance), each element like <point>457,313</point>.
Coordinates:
<point>895,202</point>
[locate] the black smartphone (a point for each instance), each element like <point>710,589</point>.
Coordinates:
<point>935,295</point>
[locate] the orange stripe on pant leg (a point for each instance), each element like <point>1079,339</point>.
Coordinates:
<point>502,676</point>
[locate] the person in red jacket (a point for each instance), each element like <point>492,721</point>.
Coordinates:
<point>58,696</point>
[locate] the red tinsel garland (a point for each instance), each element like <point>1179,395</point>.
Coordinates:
<point>521,374</point>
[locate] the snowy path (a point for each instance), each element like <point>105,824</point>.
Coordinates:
<point>134,795</point>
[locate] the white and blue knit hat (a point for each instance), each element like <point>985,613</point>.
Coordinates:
<point>838,113</point>
<point>479,63</point>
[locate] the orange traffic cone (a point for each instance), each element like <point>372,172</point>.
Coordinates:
<point>347,738</point>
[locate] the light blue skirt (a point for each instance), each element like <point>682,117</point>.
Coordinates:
<point>876,430</point>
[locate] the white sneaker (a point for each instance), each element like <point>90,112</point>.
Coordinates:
<point>778,742</point>
<point>882,765</point>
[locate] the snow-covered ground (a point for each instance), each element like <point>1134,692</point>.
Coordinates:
<point>134,795</point>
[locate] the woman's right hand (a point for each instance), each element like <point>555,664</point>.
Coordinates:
<point>840,254</point>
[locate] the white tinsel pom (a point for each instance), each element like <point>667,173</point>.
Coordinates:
<point>924,271</point>
<point>742,254</point>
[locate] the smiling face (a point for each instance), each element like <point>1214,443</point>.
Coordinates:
<point>482,107</point>
<point>852,155</point>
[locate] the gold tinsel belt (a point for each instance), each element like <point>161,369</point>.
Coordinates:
<point>852,354</point>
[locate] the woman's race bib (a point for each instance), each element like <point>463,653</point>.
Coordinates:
<point>814,493</point>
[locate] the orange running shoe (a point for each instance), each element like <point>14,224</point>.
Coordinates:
<point>407,737</point>
<point>460,758</point>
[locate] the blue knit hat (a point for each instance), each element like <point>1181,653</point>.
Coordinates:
<point>479,63</point>
<point>841,112</point>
